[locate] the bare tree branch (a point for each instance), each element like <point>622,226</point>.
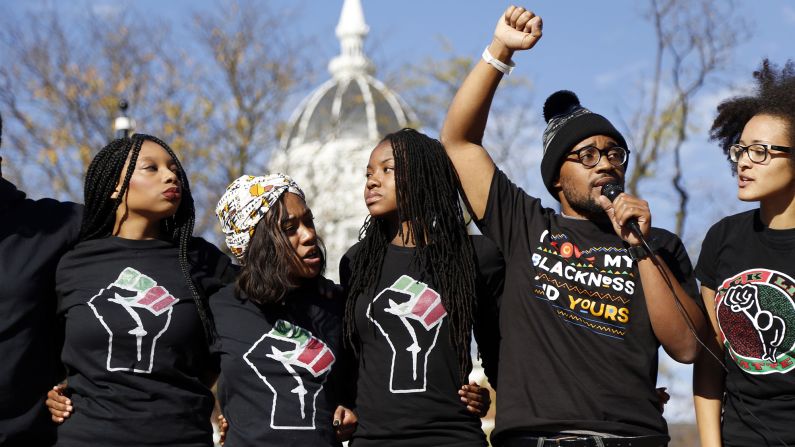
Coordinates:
<point>692,46</point>
<point>429,86</point>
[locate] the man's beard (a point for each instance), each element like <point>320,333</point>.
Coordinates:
<point>581,203</point>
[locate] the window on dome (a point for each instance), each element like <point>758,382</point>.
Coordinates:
<point>353,112</point>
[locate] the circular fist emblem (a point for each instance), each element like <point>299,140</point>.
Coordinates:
<point>756,315</point>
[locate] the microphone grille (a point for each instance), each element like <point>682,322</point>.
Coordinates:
<point>612,190</point>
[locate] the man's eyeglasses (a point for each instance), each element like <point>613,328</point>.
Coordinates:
<point>590,156</point>
<point>757,152</point>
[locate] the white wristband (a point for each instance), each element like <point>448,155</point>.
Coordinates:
<point>499,65</point>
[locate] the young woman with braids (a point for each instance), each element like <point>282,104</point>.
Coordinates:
<point>133,297</point>
<point>747,273</point>
<point>412,283</point>
<point>283,375</point>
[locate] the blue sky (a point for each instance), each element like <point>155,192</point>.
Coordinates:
<point>601,50</point>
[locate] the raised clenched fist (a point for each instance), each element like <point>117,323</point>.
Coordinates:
<point>518,28</point>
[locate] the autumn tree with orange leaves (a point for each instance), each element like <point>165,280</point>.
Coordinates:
<point>218,101</point>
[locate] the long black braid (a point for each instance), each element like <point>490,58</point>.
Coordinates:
<point>427,200</point>
<point>99,216</point>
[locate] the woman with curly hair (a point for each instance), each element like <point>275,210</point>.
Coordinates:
<point>747,274</point>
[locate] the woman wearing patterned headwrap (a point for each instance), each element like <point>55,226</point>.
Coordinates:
<point>280,324</point>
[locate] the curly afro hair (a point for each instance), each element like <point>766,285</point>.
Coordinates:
<point>774,95</point>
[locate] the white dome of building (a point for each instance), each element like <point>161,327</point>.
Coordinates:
<point>330,135</point>
<point>348,106</point>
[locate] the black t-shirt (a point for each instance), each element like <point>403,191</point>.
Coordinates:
<point>578,352</point>
<point>138,362</point>
<point>486,329</point>
<point>33,236</point>
<point>751,269</point>
<point>408,376</point>
<point>280,366</point>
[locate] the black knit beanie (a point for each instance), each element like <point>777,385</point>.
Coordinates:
<point>568,123</point>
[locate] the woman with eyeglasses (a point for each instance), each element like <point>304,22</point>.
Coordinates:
<point>747,274</point>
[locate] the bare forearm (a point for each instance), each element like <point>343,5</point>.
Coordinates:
<point>708,420</point>
<point>708,387</point>
<point>668,323</point>
<point>462,134</point>
<point>469,111</point>
<point>463,129</point>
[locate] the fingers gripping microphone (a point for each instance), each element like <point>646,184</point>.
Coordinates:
<point>613,190</point>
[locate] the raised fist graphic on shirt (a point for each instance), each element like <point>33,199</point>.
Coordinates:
<point>294,365</point>
<point>410,315</point>
<point>770,328</point>
<point>135,312</point>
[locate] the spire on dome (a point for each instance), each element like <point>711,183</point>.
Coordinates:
<point>351,31</point>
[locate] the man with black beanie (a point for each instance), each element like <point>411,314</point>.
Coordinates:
<point>33,236</point>
<point>586,304</point>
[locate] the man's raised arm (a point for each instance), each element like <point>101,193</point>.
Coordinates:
<point>462,133</point>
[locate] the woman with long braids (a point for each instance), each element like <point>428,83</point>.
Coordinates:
<point>412,285</point>
<point>279,325</point>
<point>133,296</point>
<point>747,273</point>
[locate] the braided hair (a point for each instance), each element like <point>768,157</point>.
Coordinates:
<point>774,95</point>
<point>428,202</point>
<point>99,216</point>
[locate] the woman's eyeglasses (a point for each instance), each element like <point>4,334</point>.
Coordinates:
<point>757,152</point>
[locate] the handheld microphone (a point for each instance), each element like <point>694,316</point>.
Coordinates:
<point>611,191</point>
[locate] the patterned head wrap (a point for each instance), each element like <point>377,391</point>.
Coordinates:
<point>245,202</point>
